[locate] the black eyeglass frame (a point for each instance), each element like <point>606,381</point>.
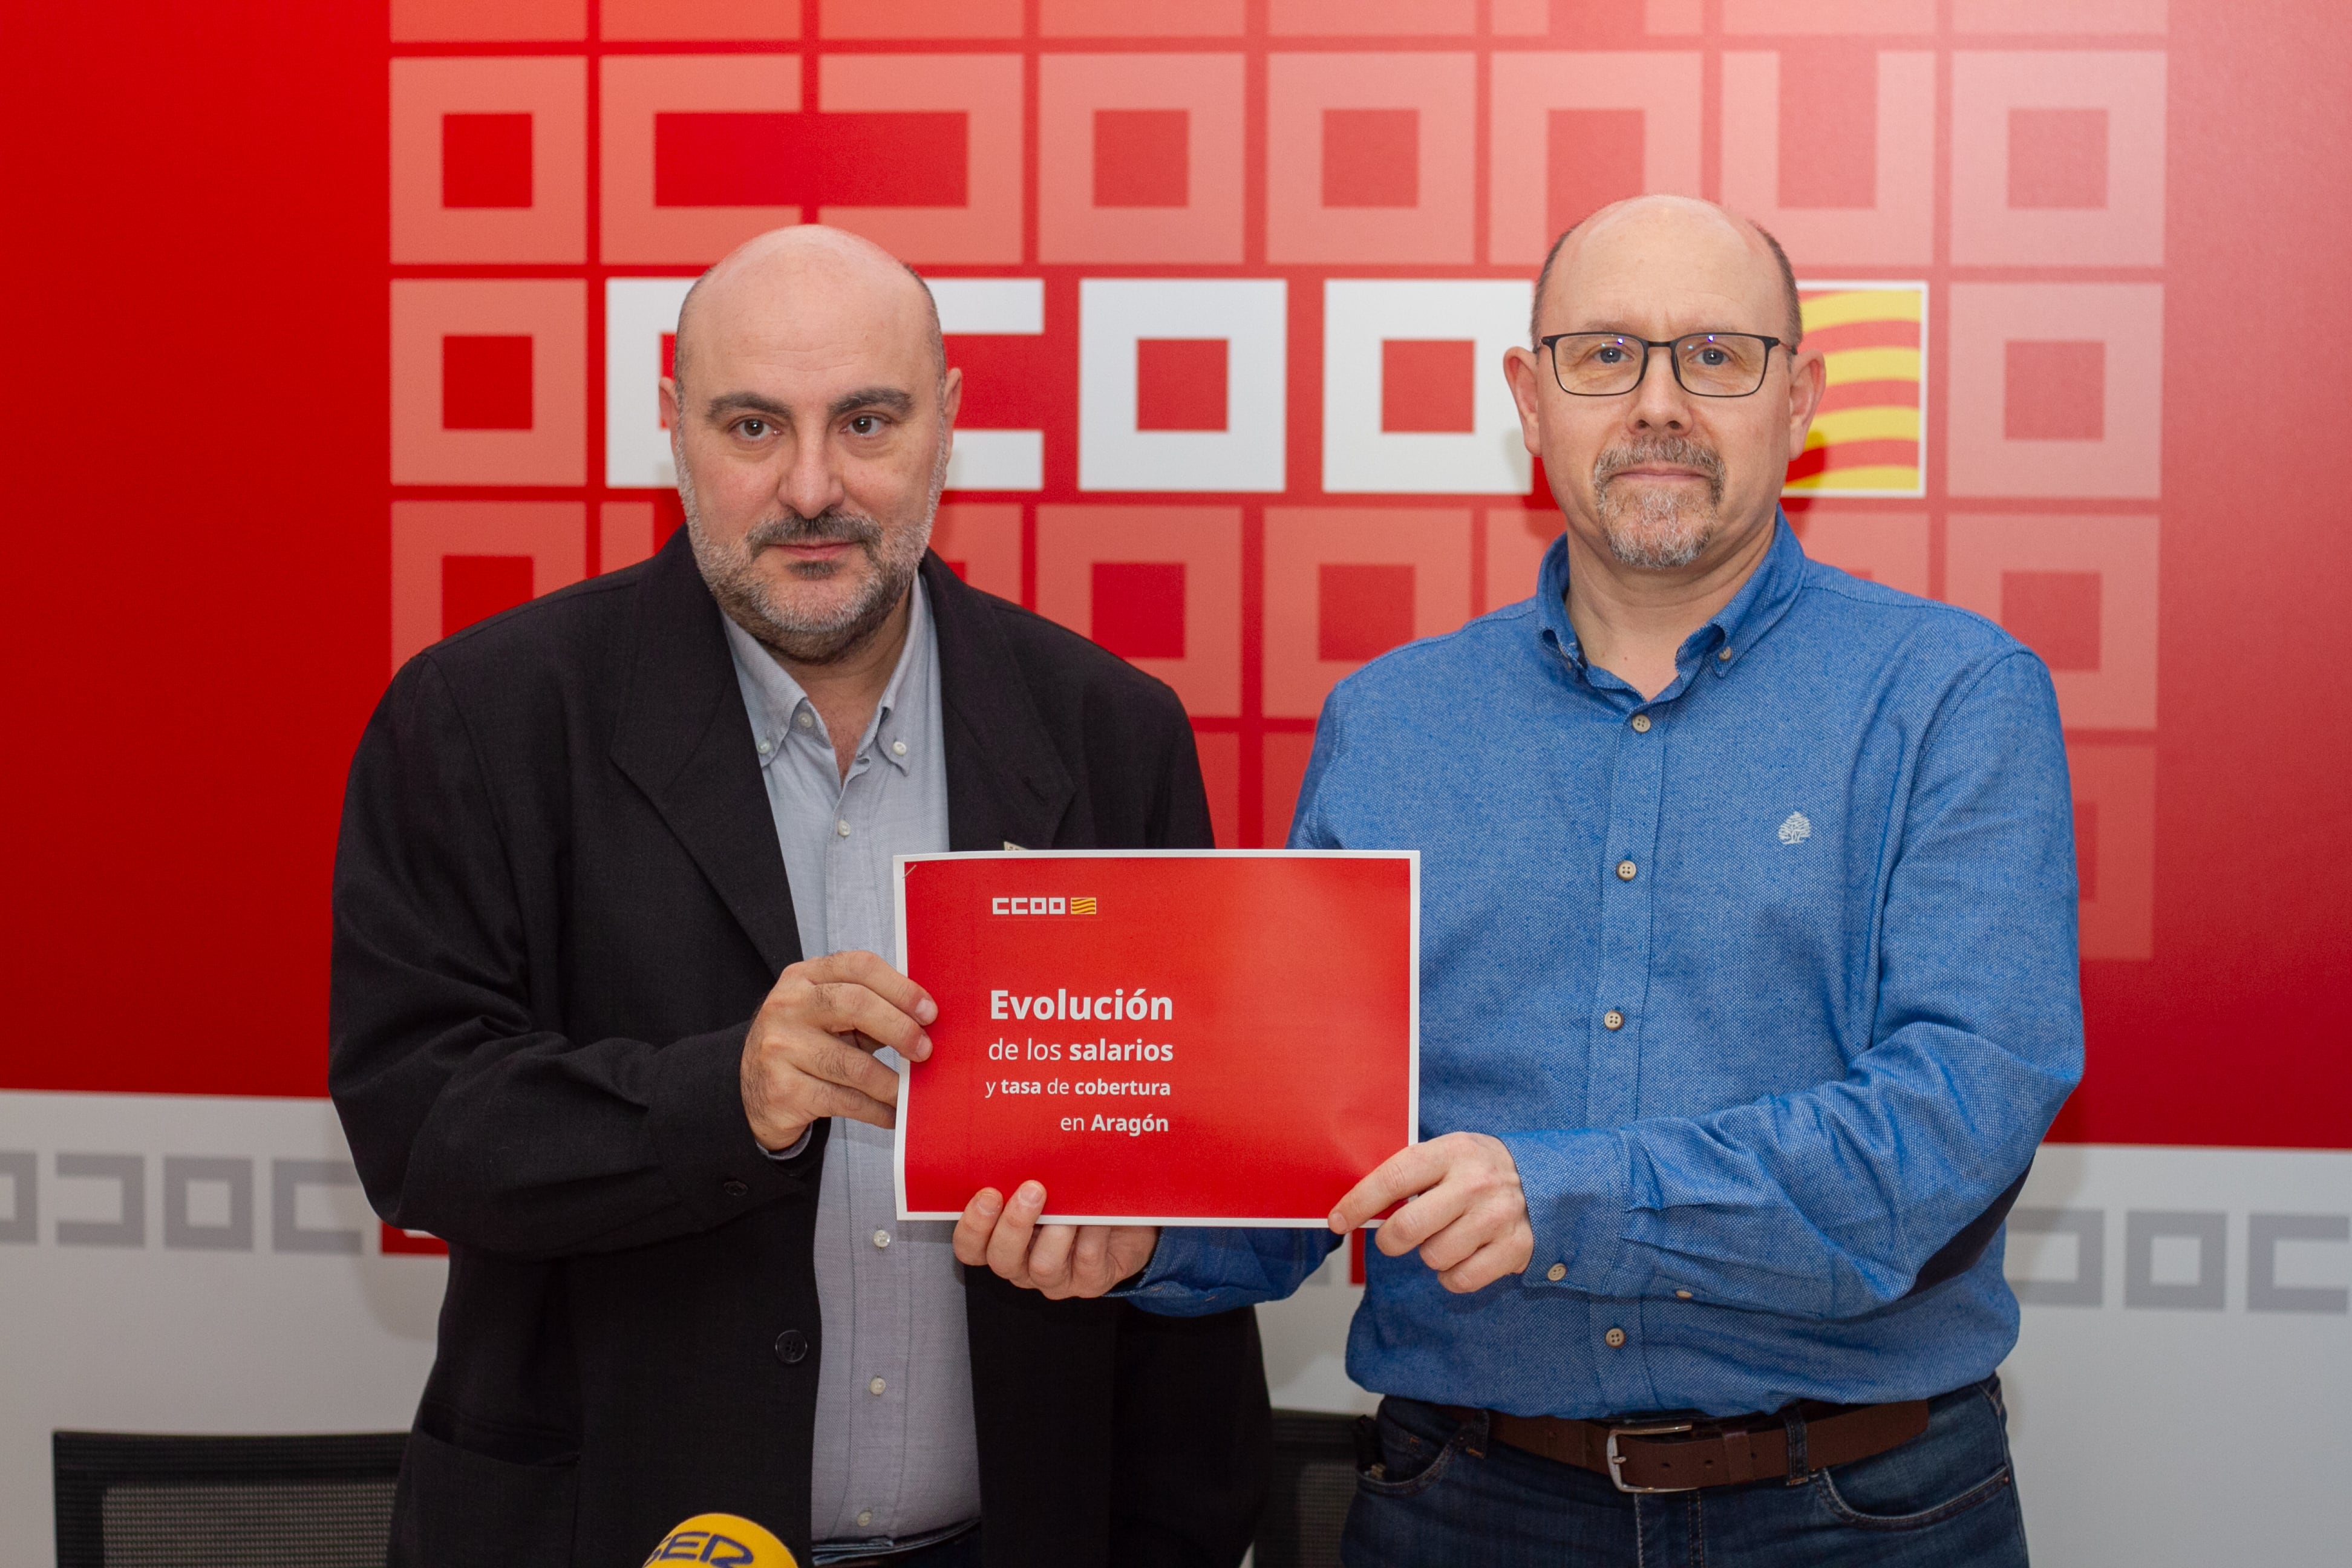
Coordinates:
<point>1674,360</point>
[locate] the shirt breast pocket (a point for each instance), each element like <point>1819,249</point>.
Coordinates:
<point>1775,921</point>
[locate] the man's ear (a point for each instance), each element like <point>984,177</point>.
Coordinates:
<point>1808,379</point>
<point>1526,375</point>
<point>669,404</point>
<point>951,395</point>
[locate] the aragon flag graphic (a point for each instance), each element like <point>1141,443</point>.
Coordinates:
<point>1867,440</point>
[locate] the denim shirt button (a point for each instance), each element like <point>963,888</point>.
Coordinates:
<point>1641,724</point>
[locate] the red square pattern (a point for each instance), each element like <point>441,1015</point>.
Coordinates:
<point>1372,157</point>
<point>1286,753</point>
<point>1361,611</point>
<point>2054,390</point>
<point>1139,18</point>
<point>919,18</point>
<point>889,159</point>
<point>1143,158</point>
<point>1593,157</point>
<point>485,383</point>
<point>486,160</point>
<point>460,415</point>
<point>1220,776</point>
<point>1429,384</point>
<point>2058,157</point>
<point>489,160</point>
<point>1010,379</point>
<point>983,226</point>
<point>980,542</point>
<point>672,20</point>
<point>625,533</point>
<point>2055,613</point>
<point>1345,584</point>
<point>441,21</point>
<point>476,587</point>
<point>1829,124</point>
<point>1371,17</point>
<point>486,539</point>
<point>1180,383</point>
<point>2115,848</point>
<point>1138,608</point>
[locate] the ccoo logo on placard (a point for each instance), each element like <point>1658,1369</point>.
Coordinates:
<point>1008,904</point>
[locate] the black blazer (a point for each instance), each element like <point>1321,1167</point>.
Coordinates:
<point>558,902</point>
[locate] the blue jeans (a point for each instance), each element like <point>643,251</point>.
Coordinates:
<point>1448,1497</point>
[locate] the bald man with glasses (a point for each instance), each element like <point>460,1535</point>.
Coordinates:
<point>1747,992</point>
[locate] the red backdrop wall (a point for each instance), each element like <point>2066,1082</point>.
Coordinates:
<point>199,604</point>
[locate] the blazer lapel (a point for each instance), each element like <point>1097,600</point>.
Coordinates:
<point>685,740</point>
<point>1006,783</point>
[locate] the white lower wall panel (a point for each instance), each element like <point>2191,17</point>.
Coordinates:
<point>2178,1400</point>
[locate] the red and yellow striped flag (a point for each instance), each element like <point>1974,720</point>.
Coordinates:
<point>1866,440</point>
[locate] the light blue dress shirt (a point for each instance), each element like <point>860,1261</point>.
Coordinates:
<point>1768,983</point>
<point>896,1461</point>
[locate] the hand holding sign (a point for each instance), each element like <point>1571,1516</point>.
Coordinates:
<point>1058,1260</point>
<point>810,1051</point>
<point>1468,1213</point>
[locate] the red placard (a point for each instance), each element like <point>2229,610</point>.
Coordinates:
<point>1171,1037</point>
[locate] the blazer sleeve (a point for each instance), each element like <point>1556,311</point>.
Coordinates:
<point>1180,809</point>
<point>467,1116</point>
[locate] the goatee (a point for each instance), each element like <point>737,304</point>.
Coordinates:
<point>733,572</point>
<point>1658,527</point>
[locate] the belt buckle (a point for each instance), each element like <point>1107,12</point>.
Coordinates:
<point>1617,1461</point>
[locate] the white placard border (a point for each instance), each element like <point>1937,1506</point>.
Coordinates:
<point>1411,857</point>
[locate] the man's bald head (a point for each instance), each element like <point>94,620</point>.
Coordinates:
<point>1690,214</point>
<point>812,415</point>
<point>764,269</point>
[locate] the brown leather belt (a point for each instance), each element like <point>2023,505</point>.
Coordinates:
<point>1667,1454</point>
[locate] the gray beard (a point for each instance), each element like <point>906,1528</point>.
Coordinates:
<point>1652,529</point>
<point>731,573</point>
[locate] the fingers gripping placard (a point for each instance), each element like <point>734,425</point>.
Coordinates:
<point>1176,1037</point>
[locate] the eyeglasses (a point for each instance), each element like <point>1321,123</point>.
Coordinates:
<point>1707,365</point>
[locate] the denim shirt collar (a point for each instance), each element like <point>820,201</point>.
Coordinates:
<point>1718,644</point>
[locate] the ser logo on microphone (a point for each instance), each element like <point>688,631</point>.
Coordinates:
<point>723,1539</point>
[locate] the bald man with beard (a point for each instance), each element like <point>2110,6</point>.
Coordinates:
<point>1748,991</point>
<point>615,1010</point>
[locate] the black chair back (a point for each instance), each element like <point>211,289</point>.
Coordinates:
<point>1314,1478</point>
<point>136,1501</point>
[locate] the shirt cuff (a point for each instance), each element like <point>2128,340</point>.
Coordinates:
<point>1163,1278</point>
<point>799,1145</point>
<point>1577,1194</point>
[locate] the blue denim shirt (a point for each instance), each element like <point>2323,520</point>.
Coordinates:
<point>1769,983</point>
